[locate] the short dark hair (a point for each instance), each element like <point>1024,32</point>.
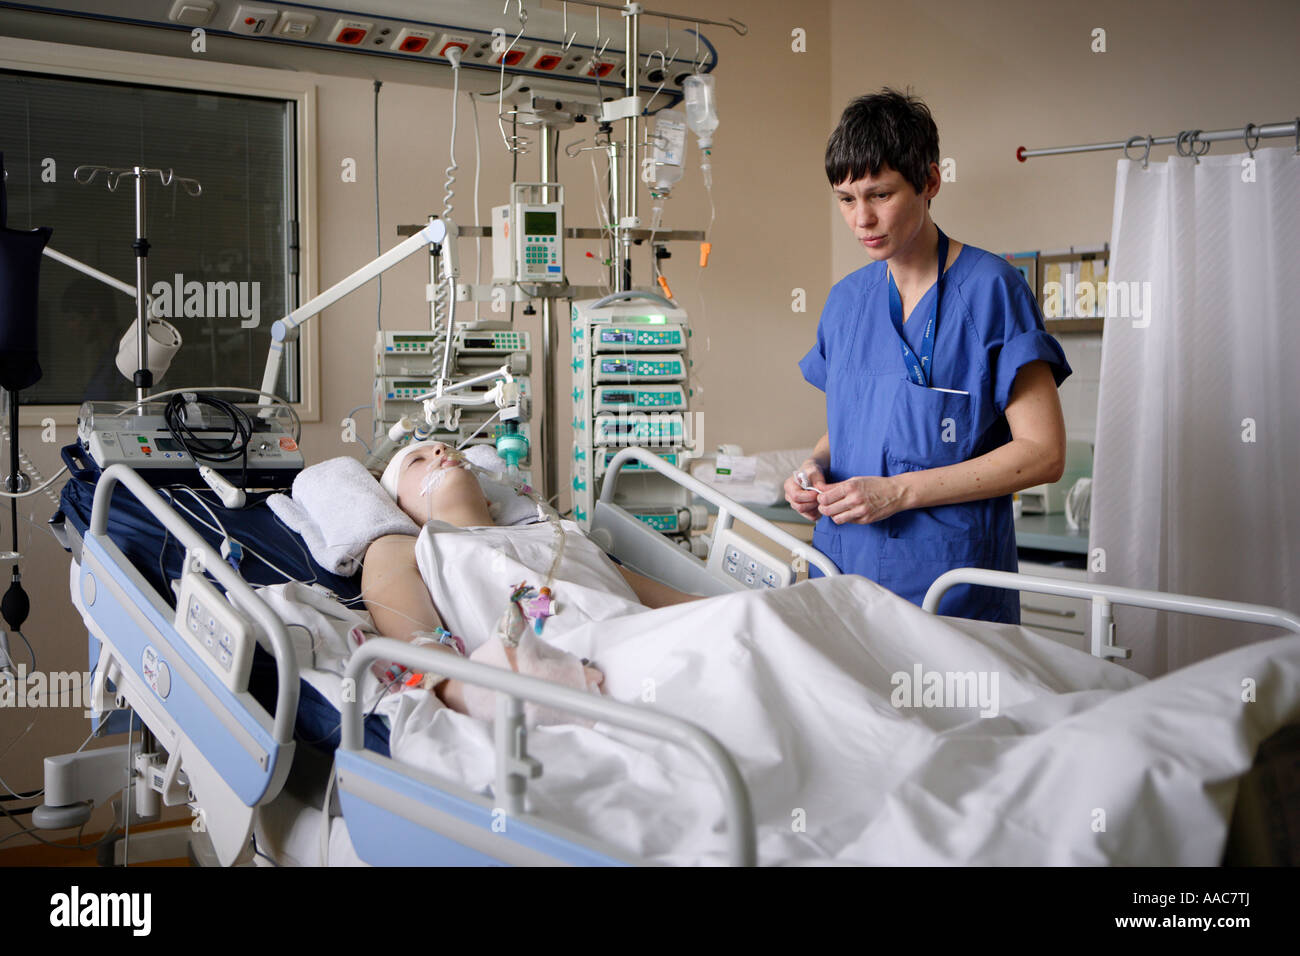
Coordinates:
<point>879,129</point>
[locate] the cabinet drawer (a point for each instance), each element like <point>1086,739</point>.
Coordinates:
<point>1053,614</point>
<point>1053,611</point>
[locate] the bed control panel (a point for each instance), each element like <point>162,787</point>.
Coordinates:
<point>221,635</point>
<point>740,559</point>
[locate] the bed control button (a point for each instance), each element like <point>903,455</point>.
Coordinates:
<point>749,580</point>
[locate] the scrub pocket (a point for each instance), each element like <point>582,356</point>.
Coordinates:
<point>828,543</point>
<point>928,428</point>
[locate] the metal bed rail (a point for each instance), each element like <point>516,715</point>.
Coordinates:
<point>513,765</point>
<point>728,510</point>
<point>1103,596</point>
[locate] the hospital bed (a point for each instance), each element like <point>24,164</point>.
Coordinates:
<point>221,748</point>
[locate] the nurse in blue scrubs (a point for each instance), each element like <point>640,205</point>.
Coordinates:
<point>940,379</point>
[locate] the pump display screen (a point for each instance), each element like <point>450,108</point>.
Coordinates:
<point>539,223</point>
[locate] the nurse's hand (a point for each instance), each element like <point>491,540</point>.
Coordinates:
<point>862,500</point>
<point>802,501</point>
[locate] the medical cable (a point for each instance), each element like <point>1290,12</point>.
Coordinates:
<point>441,294</point>
<point>206,389</point>
<point>478,243</point>
<point>109,834</point>
<point>41,483</point>
<point>379,303</point>
<point>361,441</point>
<point>35,793</point>
<point>17,737</point>
<point>220,529</point>
<point>30,652</point>
<point>127,795</point>
<point>476,431</point>
<point>602,217</point>
<point>226,449</point>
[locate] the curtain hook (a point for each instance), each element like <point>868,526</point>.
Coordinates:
<point>1246,134</point>
<point>1133,141</point>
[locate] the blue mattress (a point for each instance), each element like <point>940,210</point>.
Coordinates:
<point>158,557</point>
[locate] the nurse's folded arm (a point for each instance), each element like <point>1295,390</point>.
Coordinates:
<point>1035,455</point>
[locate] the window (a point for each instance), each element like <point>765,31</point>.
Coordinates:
<point>232,250</point>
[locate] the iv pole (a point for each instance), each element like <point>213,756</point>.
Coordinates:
<point>143,378</point>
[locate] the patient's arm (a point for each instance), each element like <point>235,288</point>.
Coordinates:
<point>394,591</point>
<point>399,603</point>
<point>653,594</point>
<point>398,600</point>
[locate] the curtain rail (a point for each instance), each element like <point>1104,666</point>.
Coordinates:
<point>1186,142</point>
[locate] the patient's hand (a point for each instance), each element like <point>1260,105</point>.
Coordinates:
<point>452,692</point>
<point>594,677</point>
<point>532,658</point>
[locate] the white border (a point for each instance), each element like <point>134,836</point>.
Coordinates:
<point>63,60</point>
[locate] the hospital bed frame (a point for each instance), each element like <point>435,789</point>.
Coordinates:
<point>225,753</point>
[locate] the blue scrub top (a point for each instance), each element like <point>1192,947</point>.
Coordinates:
<point>881,423</point>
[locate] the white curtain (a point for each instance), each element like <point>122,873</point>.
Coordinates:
<point>1197,468</point>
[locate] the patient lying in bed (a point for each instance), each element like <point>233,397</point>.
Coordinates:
<point>464,581</point>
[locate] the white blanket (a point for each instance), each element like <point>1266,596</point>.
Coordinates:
<point>1085,762</point>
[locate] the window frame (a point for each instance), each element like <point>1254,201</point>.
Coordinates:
<point>62,61</point>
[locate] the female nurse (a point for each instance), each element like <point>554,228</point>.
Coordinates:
<point>940,379</point>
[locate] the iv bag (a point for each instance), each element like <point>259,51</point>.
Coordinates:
<point>670,149</point>
<point>701,107</point>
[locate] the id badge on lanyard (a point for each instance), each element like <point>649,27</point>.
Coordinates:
<point>919,366</point>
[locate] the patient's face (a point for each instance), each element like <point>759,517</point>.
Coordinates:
<point>434,484</point>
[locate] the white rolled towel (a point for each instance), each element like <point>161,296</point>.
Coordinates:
<point>339,509</point>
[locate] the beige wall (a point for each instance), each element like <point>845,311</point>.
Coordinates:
<point>1019,73</point>
<point>997,75</point>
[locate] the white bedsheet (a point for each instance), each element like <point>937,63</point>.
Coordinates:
<point>1085,762</point>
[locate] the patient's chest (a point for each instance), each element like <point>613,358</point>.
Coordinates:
<point>471,574</point>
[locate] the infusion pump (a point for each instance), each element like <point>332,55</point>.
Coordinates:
<point>528,236</point>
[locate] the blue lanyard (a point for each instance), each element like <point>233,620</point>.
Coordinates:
<point>918,369</point>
